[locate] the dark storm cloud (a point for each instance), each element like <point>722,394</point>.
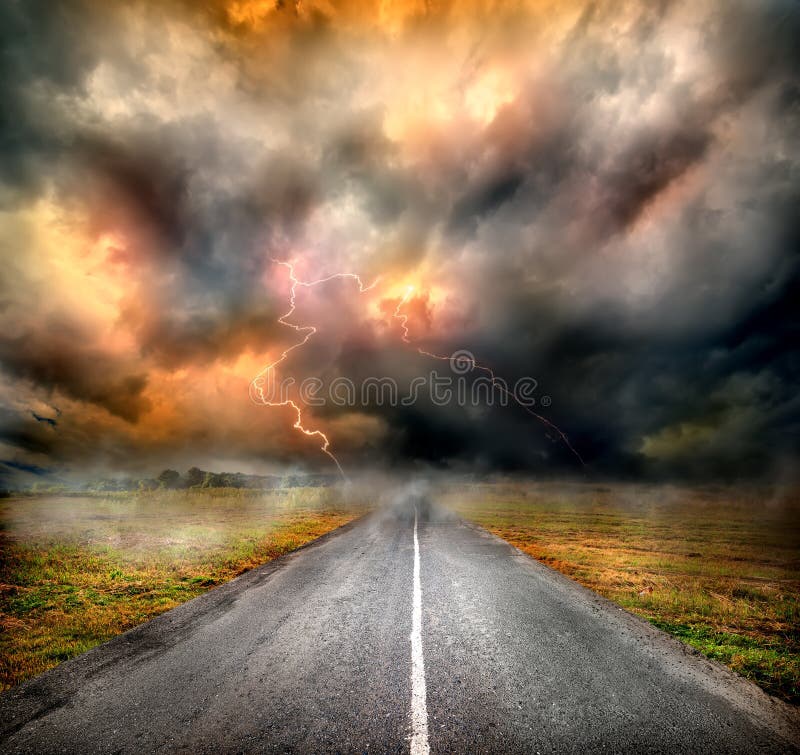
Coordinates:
<point>150,187</point>
<point>215,306</point>
<point>617,381</point>
<point>610,206</point>
<point>26,433</point>
<point>645,170</point>
<point>755,42</point>
<point>206,338</point>
<point>59,358</point>
<point>356,158</point>
<point>486,198</point>
<point>48,50</point>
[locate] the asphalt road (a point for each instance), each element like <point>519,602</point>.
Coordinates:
<point>316,653</point>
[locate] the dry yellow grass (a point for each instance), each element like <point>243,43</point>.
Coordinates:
<point>77,571</point>
<point>718,568</point>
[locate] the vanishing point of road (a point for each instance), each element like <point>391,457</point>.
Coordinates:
<point>407,630</point>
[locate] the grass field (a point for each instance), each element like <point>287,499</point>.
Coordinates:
<point>76,571</point>
<point>718,568</point>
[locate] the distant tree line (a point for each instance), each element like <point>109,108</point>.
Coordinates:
<point>197,478</point>
<point>171,479</point>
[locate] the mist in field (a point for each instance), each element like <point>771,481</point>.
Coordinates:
<point>169,524</point>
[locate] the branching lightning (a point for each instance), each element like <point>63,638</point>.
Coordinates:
<point>403,320</point>
<point>307,331</point>
<point>257,384</point>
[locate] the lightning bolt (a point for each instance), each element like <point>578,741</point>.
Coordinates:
<point>307,331</point>
<point>403,320</point>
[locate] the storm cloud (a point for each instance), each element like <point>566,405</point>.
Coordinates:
<point>599,195</point>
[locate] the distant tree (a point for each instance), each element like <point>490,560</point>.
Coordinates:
<point>210,480</point>
<point>195,477</point>
<point>169,479</point>
<point>147,484</point>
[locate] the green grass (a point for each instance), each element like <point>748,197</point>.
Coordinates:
<point>768,664</point>
<point>717,568</point>
<point>76,571</point>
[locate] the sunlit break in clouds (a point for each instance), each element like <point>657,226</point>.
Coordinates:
<point>601,196</point>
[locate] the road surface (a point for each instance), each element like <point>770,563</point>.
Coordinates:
<point>406,630</point>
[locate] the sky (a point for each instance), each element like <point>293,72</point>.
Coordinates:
<point>598,196</point>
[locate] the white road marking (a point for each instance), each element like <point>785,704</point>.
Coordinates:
<point>419,708</point>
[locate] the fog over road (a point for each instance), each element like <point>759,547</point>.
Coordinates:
<point>320,651</point>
